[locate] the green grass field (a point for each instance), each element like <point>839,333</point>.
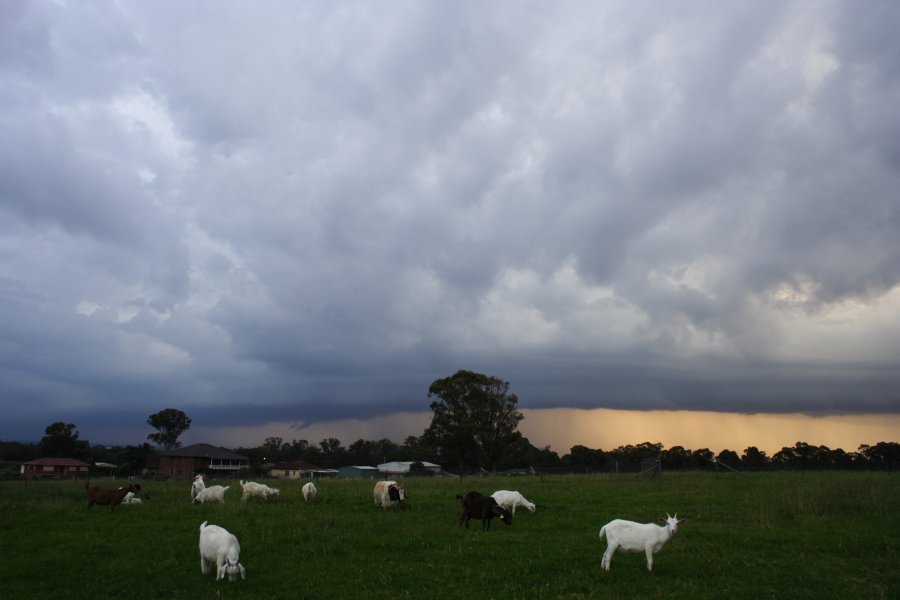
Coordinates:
<point>775,535</point>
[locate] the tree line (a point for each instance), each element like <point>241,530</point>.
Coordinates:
<point>519,454</point>
<point>474,428</point>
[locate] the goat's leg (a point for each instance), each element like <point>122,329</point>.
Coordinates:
<point>607,556</point>
<point>648,549</point>
<point>204,565</point>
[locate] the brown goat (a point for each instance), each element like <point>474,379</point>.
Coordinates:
<point>484,508</point>
<point>108,497</point>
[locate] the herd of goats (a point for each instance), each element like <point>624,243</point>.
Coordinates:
<point>220,547</point>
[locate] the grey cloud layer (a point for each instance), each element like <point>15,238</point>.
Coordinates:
<point>295,211</point>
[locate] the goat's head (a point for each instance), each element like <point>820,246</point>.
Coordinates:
<point>672,523</point>
<point>232,568</point>
<point>396,493</point>
<point>503,513</point>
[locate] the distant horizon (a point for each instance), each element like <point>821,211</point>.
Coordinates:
<point>602,429</point>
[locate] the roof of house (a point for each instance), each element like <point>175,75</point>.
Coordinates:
<point>57,462</point>
<point>204,451</point>
<point>364,467</point>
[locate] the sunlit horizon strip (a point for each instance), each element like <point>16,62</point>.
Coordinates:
<point>604,429</point>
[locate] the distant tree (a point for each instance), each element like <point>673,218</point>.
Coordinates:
<point>522,453</point>
<point>274,449</point>
<point>702,458</point>
<point>414,448</point>
<point>473,411</point>
<point>19,452</point>
<point>61,440</point>
<point>367,452</point>
<point>629,457</point>
<point>882,454</point>
<point>132,460</point>
<point>754,459</point>
<point>170,424</point>
<point>333,453</point>
<point>729,458</point>
<point>584,458</point>
<point>786,458</point>
<point>675,458</point>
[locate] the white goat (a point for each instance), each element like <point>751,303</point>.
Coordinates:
<point>219,546</point>
<point>629,536</point>
<point>212,493</point>
<point>510,500</point>
<point>309,491</point>
<point>131,498</point>
<point>388,494</point>
<point>261,490</point>
<point>196,486</point>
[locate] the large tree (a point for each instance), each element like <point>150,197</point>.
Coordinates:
<point>473,411</point>
<point>169,424</point>
<point>61,440</point>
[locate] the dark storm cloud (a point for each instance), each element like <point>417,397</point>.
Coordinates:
<point>300,211</point>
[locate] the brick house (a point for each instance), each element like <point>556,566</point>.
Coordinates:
<point>183,463</point>
<point>58,468</point>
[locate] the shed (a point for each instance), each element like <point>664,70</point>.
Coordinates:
<point>359,471</point>
<point>325,473</point>
<point>294,469</point>
<point>182,463</point>
<point>46,468</point>
<point>399,467</point>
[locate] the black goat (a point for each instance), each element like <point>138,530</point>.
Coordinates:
<point>481,507</point>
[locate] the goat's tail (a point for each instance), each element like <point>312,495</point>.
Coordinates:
<point>602,531</point>
<point>203,525</point>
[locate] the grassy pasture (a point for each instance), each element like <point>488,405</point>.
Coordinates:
<point>777,535</point>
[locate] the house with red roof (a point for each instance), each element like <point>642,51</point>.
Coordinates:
<point>54,468</point>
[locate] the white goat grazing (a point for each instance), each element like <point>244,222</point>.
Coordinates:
<point>131,498</point>
<point>261,490</point>
<point>219,546</point>
<point>388,494</point>
<point>196,486</point>
<point>629,536</point>
<point>212,493</point>
<point>309,491</point>
<point>510,500</point>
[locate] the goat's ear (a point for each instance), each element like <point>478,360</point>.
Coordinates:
<point>662,520</point>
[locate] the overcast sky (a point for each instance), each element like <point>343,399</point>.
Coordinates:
<point>296,212</point>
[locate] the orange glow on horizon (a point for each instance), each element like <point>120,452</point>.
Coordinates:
<point>605,429</point>
<point>608,429</point>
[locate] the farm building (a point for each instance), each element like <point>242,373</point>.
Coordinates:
<point>182,463</point>
<point>294,469</point>
<point>403,467</point>
<point>359,472</point>
<point>325,473</point>
<point>54,467</point>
